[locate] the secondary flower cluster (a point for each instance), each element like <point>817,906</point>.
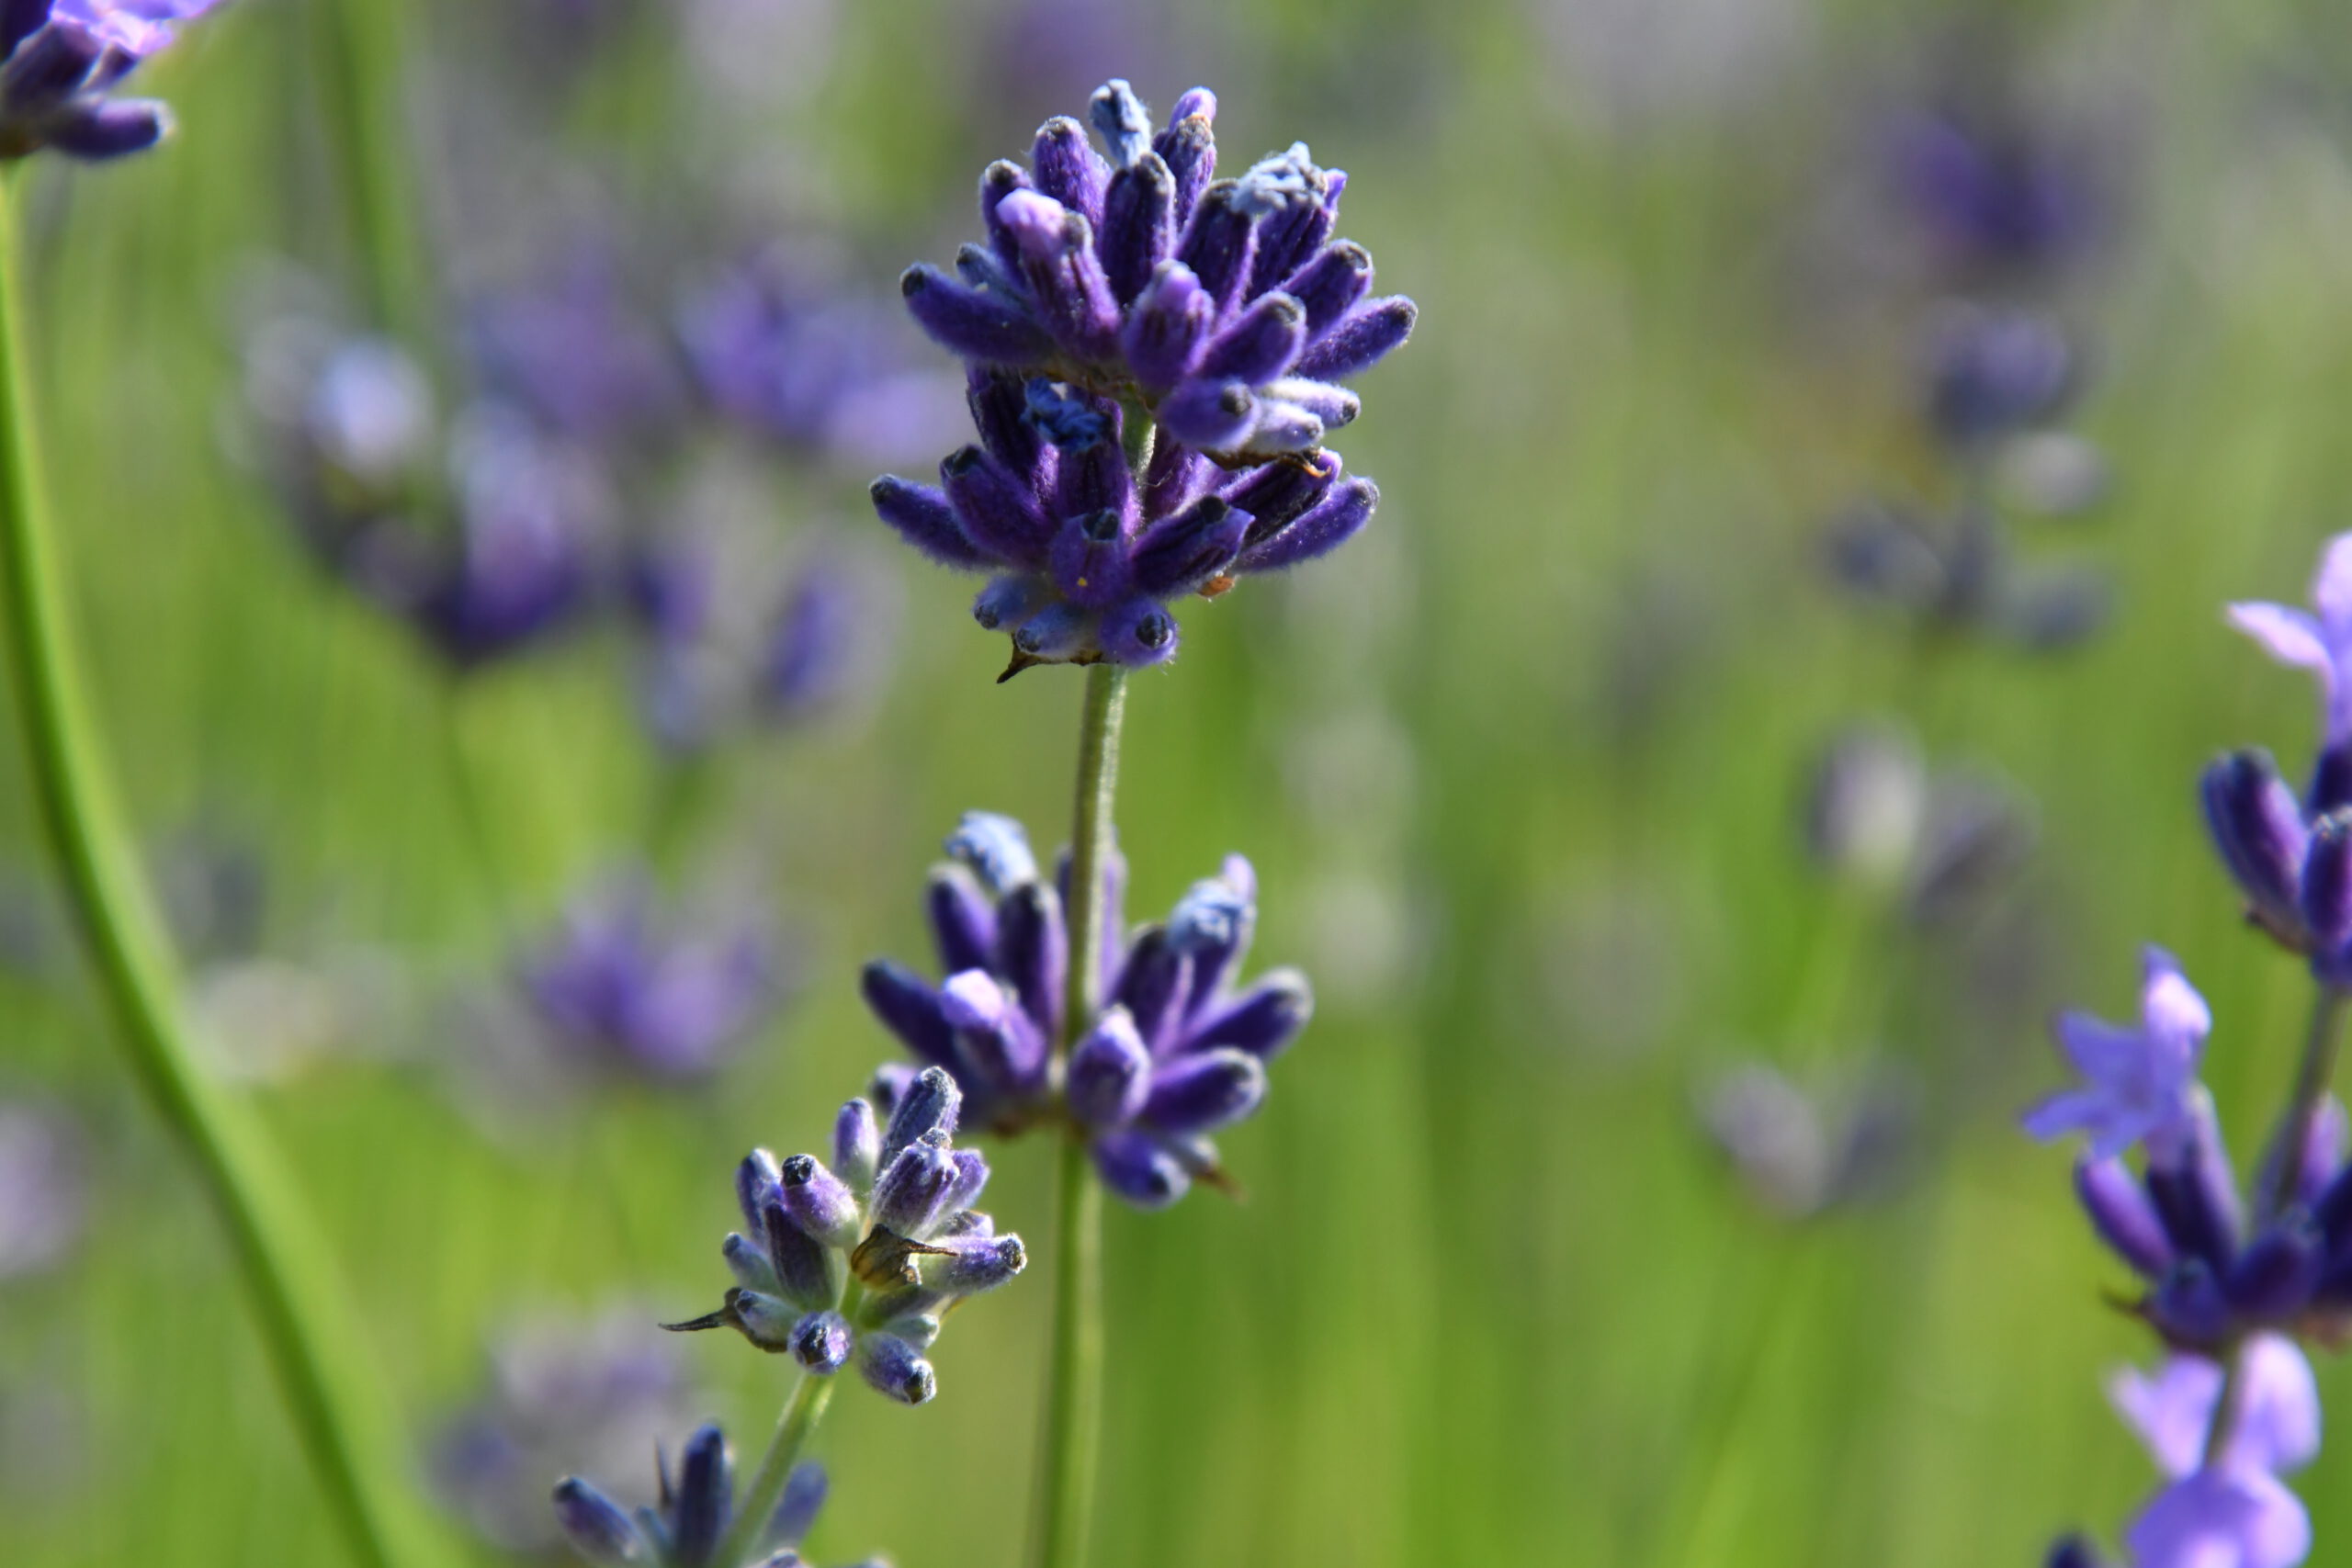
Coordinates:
<point>59,60</point>
<point>859,1260</point>
<point>1175,1053</point>
<point>696,1511</point>
<point>1132,289</point>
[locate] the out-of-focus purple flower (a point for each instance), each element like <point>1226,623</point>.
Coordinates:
<point>576,353</point>
<point>892,1213</point>
<point>695,1512</point>
<point>1801,1150</point>
<point>616,989</point>
<point>1960,573</point>
<point>1875,815</point>
<point>2222,1518</point>
<point>1995,373</point>
<point>565,1395</point>
<point>2138,1084</point>
<point>59,60</point>
<point>2277,1419</point>
<point>1178,1051</point>
<point>823,641</point>
<point>1996,193</point>
<point>481,537</point>
<point>1139,286</point>
<point>44,1189</point>
<point>811,370</point>
<point>2320,642</point>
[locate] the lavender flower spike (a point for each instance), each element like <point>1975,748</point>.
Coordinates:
<point>1117,292</point>
<point>2233,1511</point>
<point>697,1504</point>
<point>1177,1051</point>
<point>2321,643</point>
<point>60,58</point>
<point>849,1263</point>
<point>2138,1083</point>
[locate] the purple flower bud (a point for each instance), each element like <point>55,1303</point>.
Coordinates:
<point>2328,882</point>
<point>1001,1048</point>
<point>1168,329</point>
<point>2121,1213</point>
<point>1091,564</point>
<point>1110,1073</point>
<point>996,511</point>
<point>804,1268</point>
<point>908,1008</point>
<point>1056,261</point>
<point>963,920</point>
<point>596,1525</point>
<point>1277,494</point>
<point>820,1202</point>
<point>1259,345</point>
<point>912,1191</point>
<point>2273,1279</point>
<point>705,1500</point>
<point>996,849</point>
<point>971,1180</point>
<point>1331,523</point>
<point>1138,632</point>
<point>1067,169</point>
<point>1180,554</point>
<point>797,1510</point>
<point>1001,406</point>
<point>1216,243</point>
<point>1125,123</point>
<point>1065,417</point>
<point>1360,339</point>
<point>972,323</point>
<point>1189,149</point>
<point>821,1342</point>
<point>1095,480</point>
<point>1155,987</point>
<point>1214,416</point>
<point>1054,632</point>
<point>999,182</point>
<point>921,516</point>
<point>1203,1090</point>
<point>929,1105</point>
<point>894,1367</point>
<point>2188,1308</point>
<point>102,131</point>
<point>756,1181</point>
<point>2073,1552</point>
<point>975,1265</point>
<point>1138,229</point>
<point>1033,953</point>
<point>1263,1020</point>
<point>1330,284</point>
<point>1177,477</point>
<point>1213,922</point>
<point>1139,1170</point>
<point>1006,603</point>
<point>2189,1181</point>
<point>749,1263</point>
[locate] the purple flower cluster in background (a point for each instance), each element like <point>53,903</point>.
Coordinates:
<point>859,1261</point>
<point>1177,1052</point>
<point>60,58</point>
<point>616,991</point>
<point>1154,358</point>
<point>696,1513</point>
<point>44,1189</point>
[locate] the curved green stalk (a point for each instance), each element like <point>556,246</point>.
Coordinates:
<point>361,54</point>
<point>338,1414</point>
<point>1073,1426</point>
<point>802,1411</point>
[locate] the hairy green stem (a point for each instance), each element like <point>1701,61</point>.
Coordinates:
<point>1073,1419</point>
<point>802,1411</point>
<point>338,1412</point>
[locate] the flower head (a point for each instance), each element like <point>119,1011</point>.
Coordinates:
<point>2320,642</point>
<point>1130,305</point>
<point>859,1261</point>
<point>2138,1083</point>
<point>58,59</point>
<point>696,1512</point>
<point>1177,1050</point>
<point>615,990</point>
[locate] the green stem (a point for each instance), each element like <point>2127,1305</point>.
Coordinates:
<point>1073,1424</point>
<point>337,1411</point>
<point>802,1411</point>
<point>362,50</point>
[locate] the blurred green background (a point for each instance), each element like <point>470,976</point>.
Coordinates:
<point>1521,772</point>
